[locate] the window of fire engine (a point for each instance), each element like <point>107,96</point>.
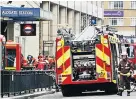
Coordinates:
<point>98,39</point>
<point>10,57</point>
<point>130,51</point>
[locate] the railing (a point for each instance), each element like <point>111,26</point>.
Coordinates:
<point>13,83</point>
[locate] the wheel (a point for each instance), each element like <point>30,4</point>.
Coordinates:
<point>65,92</point>
<point>111,91</point>
<point>70,92</point>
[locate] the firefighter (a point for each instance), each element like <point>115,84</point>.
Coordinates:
<point>40,56</point>
<point>31,60</point>
<point>125,70</point>
<point>41,64</point>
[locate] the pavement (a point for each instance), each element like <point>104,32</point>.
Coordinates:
<point>94,95</point>
<point>31,95</point>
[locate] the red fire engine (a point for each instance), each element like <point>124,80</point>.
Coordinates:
<point>12,56</point>
<point>87,65</point>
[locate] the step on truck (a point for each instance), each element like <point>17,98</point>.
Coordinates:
<point>87,65</point>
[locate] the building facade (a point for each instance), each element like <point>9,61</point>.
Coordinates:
<point>72,14</point>
<point>121,15</point>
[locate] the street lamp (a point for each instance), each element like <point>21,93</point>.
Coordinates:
<point>9,2</point>
<point>22,6</point>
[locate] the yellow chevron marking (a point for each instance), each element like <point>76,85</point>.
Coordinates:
<point>114,81</point>
<point>58,48</point>
<point>66,55</point>
<point>10,68</point>
<point>63,78</point>
<point>67,71</point>
<point>99,69</point>
<point>106,45</point>
<point>100,54</point>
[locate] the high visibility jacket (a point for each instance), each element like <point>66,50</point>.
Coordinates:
<point>24,62</point>
<point>41,64</point>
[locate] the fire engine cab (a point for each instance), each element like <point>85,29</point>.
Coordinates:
<point>87,65</point>
<point>11,56</point>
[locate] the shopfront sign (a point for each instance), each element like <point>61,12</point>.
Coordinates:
<point>20,12</point>
<point>113,13</point>
<point>28,29</point>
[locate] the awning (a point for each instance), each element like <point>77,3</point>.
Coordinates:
<point>25,14</point>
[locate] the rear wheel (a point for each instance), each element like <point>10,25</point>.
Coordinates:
<point>112,90</point>
<point>65,92</point>
<point>70,92</point>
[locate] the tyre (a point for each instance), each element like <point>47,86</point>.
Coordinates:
<point>70,92</point>
<point>65,92</point>
<point>111,91</point>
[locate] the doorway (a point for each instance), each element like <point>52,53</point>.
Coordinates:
<point>4,28</point>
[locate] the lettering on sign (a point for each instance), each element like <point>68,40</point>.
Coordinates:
<point>26,12</point>
<point>9,12</point>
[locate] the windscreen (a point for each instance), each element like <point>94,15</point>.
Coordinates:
<point>129,50</point>
<point>10,57</point>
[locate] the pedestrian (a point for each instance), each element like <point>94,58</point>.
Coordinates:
<point>125,70</point>
<point>40,56</point>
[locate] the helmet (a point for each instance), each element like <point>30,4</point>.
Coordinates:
<point>124,54</point>
<point>29,57</point>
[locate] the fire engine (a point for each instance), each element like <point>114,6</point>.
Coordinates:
<point>87,65</point>
<point>11,56</point>
<point>129,46</point>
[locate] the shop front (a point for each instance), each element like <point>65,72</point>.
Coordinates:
<point>12,19</point>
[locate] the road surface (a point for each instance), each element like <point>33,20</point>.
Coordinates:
<point>98,95</point>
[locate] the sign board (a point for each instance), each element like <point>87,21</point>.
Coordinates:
<point>19,12</point>
<point>28,29</point>
<point>48,43</point>
<point>93,21</point>
<point>113,13</point>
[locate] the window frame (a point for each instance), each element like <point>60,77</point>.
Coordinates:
<point>116,5</point>
<point>118,21</point>
<point>133,21</point>
<point>133,4</point>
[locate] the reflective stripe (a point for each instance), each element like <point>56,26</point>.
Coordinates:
<point>127,67</point>
<point>10,68</point>
<point>129,90</point>
<point>120,88</point>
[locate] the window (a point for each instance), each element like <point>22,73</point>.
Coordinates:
<point>133,4</point>
<point>133,21</point>
<point>130,51</point>
<point>116,21</point>
<point>10,57</point>
<point>116,5</point>
<point>23,45</point>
